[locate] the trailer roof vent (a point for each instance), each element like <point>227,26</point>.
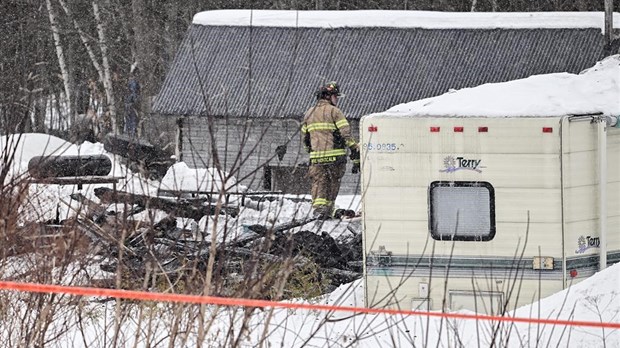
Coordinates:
<point>435,129</point>
<point>547,129</point>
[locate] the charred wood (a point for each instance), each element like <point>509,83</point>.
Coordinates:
<point>193,209</point>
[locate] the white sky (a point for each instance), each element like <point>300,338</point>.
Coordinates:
<point>404,19</point>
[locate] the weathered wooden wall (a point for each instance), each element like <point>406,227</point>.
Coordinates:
<point>246,146</point>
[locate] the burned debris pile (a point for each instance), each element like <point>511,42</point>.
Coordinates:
<point>220,243</point>
<point>139,154</point>
<point>193,209</point>
<point>253,263</point>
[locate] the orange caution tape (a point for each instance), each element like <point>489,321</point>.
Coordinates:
<point>243,302</point>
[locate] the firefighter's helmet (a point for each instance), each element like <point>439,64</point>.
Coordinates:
<point>329,89</point>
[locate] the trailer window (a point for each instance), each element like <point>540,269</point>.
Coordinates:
<point>461,210</point>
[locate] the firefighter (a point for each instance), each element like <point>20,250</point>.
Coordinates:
<point>326,135</point>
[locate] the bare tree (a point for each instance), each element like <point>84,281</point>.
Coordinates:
<point>107,76</point>
<point>62,62</point>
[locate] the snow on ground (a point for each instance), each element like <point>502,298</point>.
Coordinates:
<point>288,207</point>
<point>180,177</point>
<point>283,211</point>
<point>595,299</point>
<point>44,200</point>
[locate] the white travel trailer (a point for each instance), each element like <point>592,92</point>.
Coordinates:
<point>492,197</point>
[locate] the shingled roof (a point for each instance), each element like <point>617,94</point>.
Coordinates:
<point>262,71</point>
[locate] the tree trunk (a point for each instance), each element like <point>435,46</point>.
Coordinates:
<point>171,34</point>
<point>39,115</point>
<point>107,76</point>
<point>64,70</point>
<point>145,59</point>
<point>85,40</point>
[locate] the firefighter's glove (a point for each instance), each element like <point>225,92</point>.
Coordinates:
<point>355,154</point>
<point>355,158</point>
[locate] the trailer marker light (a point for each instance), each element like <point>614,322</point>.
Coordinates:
<point>573,273</point>
<point>372,128</point>
<point>547,129</point>
<point>435,129</point>
<point>458,129</point>
<point>483,129</point>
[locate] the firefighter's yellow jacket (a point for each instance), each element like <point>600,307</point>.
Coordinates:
<point>326,134</point>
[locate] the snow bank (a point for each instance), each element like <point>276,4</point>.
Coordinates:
<point>596,299</point>
<point>29,145</point>
<point>592,91</point>
<point>47,202</point>
<point>180,177</point>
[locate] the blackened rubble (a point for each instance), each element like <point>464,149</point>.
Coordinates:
<point>164,255</point>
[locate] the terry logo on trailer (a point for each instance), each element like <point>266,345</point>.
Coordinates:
<point>585,243</point>
<point>453,164</point>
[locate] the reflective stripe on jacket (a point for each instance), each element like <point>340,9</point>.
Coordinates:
<point>326,133</point>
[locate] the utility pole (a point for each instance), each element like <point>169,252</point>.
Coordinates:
<point>609,21</point>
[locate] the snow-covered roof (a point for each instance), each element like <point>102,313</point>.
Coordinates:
<point>594,90</point>
<point>403,19</point>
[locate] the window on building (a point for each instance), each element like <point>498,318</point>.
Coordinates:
<point>462,210</point>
